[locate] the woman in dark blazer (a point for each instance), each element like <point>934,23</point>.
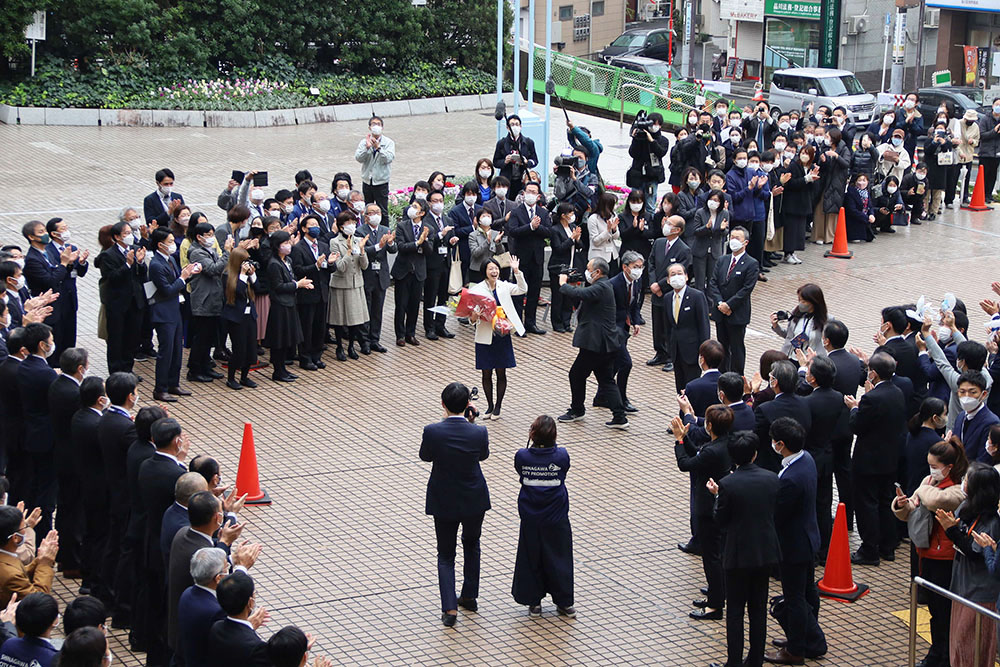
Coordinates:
<point>637,234</point>
<point>709,231</point>
<point>240,316</point>
<point>689,197</point>
<point>283,329</point>
<point>566,241</point>
<point>544,562</point>
<point>796,202</point>
<point>858,210</point>
<point>261,253</point>
<point>888,204</point>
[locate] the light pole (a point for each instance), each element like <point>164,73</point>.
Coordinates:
<point>548,99</point>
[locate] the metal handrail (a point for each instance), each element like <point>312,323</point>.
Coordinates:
<point>670,100</point>
<point>980,612</point>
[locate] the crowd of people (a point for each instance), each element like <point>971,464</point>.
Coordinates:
<point>155,540</point>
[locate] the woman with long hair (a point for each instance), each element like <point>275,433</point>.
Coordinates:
<point>566,241</point>
<point>796,202</point>
<point>84,647</point>
<point>924,430</point>
<point>437,182</point>
<point>495,353</point>
<point>544,562</point>
<point>484,179</point>
<point>805,322</point>
<point>261,229</point>
<point>605,237</point>
<point>834,160</point>
<point>240,315</point>
<point>284,331</point>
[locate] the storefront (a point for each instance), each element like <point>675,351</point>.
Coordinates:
<point>968,26</point>
<point>792,35</point>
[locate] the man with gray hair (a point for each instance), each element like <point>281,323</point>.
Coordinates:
<point>628,289</point>
<point>176,516</point>
<point>198,609</point>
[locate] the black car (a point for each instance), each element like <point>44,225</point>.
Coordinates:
<point>961,97</point>
<point>648,42</point>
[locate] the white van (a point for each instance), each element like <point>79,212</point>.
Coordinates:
<point>792,89</point>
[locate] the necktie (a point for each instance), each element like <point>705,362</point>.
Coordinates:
<point>472,213</point>
<point>416,232</point>
<point>531,213</point>
<point>677,306</point>
<point>731,265</point>
<point>628,305</point>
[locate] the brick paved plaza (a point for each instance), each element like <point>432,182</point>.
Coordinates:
<point>349,554</point>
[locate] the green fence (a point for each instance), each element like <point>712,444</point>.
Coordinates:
<point>598,85</point>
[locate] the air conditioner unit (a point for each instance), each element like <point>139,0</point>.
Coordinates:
<point>857,25</point>
<point>932,18</point>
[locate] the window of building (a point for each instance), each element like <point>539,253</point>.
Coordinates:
<point>597,8</point>
<point>566,13</point>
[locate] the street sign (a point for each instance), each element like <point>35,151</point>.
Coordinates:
<point>36,29</point>
<point>942,77</point>
<point>888,22</point>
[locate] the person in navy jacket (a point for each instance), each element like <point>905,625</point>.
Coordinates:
<point>36,616</point>
<point>628,287</point>
<point>729,290</point>
<point>66,304</point>
<point>456,495</point>
<point>545,543</point>
<point>973,424</point>
<point>527,230</point>
<point>462,217</point>
<point>157,203</point>
<point>165,308</point>
<point>44,273</point>
<point>745,185</point>
<point>798,537</point>
<point>198,608</point>
<point>703,391</point>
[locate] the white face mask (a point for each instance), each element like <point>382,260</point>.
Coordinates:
<point>767,167</point>
<point>376,130</point>
<point>635,273</point>
<point>968,403</point>
<point>783,125</point>
<point>207,241</point>
<point>165,190</point>
<point>741,162</point>
<point>420,195</point>
<point>342,193</point>
<point>324,206</point>
<point>501,192</point>
<point>804,159</point>
<point>588,275</point>
<point>375,219</point>
<point>779,146</point>
<point>692,120</point>
<point>470,200</point>
<point>655,128</point>
<point>349,229</point>
<point>734,138</point>
<point>909,104</point>
<point>888,120</point>
<point>257,194</point>
<point>437,207</point>
<point>789,155</point>
<point>735,245</point>
<point>712,205</point>
<point>289,208</point>
<point>530,198</point>
<point>937,474</point>
<point>285,248</point>
<point>635,207</point>
<point>51,348</point>
<point>515,131</point>
<point>721,111</point>
<point>677,281</point>
<point>411,212</point>
<point>486,222</point>
<point>485,173</point>
<point>172,248</point>
<point>891,189</point>
<point>755,165</point>
<point>572,219</point>
<point>20,282</point>
<point>776,447</point>
<point>358,206</point>
<point>920,176</point>
<point>184,220</point>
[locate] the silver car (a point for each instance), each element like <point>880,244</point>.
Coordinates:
<point>794,88</point>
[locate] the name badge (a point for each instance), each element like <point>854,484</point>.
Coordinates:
<point>180,298</point>
<point>375,266</point>
<point>738,273</point>
<point>687,307</point>
<point>442,250</point>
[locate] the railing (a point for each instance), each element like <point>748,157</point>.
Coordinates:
<point>670,101</point>
<point>934,588</point>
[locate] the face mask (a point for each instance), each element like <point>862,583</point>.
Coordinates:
<point>50,350</point>
<point>45,238</point>
<point>207,242</point>
<point>909,104</point>
<point>257,194</point>
<point>358,206</point>
<point>767,167</point>
<point>470,200</point>
<point>411,212</point>
<point>780,146</point>
<point>862,185</point>
<point>437,207</point>
<point>342,193</point>
<point>721,111</point>
<point>891,189</point>
<point>288,208</point>
<point>735,138</point>
<point>888,120</point>
<point>349,229</point>
<point>668,231</point>
<point>713,205</point>
<point>572,219</point>
<point>776,447</point>
<point>920,176</point>
<point>376,130</point>
<point>694,183</point>
<point>783,125</point>
<point>165,190</point>
<point>172,248</point>
<point>324,206</point>
<point>692,120</point>
<point>677,281</point>
<point>804,159</point>
<point>942,119</point>
<point>515,131</point>
<point>635,273</point>
<point>374,220</point>
<point>501,192</point>
<point>588,275</point>
<point>789,155</point>
<point>735,245</point>
<point>741,163</point>
<point>896,141</point>
<point>635,207</point>
<point>655,128</point>
<point>20,282</point>
<point>996,109</point>
<point>968,403</point>
<point>285,248</point>
<point>64,237</point>
<point>530,198</point>
<point>184,221</point>
<point>485,173</point>
<point>486,222</point>
<point>824,140</point>
<point>755,166</point>
<point>314,232</point>
<point>937,474</point>
<point>422,196</point>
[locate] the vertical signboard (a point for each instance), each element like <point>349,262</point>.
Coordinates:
<point>830,34</point>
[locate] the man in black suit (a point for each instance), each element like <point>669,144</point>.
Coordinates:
<point>169,281</point>
<point>597,339</point>
<point>703,391</point>
<point>310,259</point>
<point>686,312</point>
<point>729,291</point>
<point>893,329</point>
<point>514,156</point>
<point>409,271</point>
<point>456,495</point>
<point>116,433</point>
<point>440,244</point>
<point>710,461</point>
<point>878,420</point>
<point>64,308</point>
<point>627,286</point>
<point>15,291</point>
<point>94,496</point>
<point>123,272</point>
<point>45,271</point>
<point>529,227</point>
<point>381,243</point>
<point>499,205</point>
<point>783,380</point>
<point>64,401</point>
<point>462,217</point>
<point>798,536</point>
<point>157,203</point>
<point>12,417</point>
<point>34,376</point>
<point>730,388</point>
<point>744,509</point>
<point>667,251</point>
<point>233,641</point>
<point>829,424</point>
<point>176,517</point>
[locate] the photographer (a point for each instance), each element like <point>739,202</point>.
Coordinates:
<point>574,183</point>
<point>514,155</point>
<point>580,139</point>
<point>648,149</point>
<point>761,126</point>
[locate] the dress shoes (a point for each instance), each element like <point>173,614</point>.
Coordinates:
<point>630,408</point>
<point>291,375</point>
<point>705,615</point>
<point>233,384</point>
<point>783,657</point>
<point>468,603</point>
<point>400,342</point>
<point>858,558</point>
<point>762,277</point>
<point>351,352</point>
<point>164,397</point>
<point>378,348</point>
<point>533,329</point>
<point>688,549</point>
<point>444,333</point>
<point>308,366</point>
<point>412,340</point>
<point>668,367</point>
<point>366,348</point>
<point>191,377</point>
<point>215,375</point>
<point>559,329</point>
<point>779,643</point>
<point>430,335</point>
<point>177,391</point>
<point>656,361</point>
<point>248,383</point>
<point>341,355</point>
<point>449,620</point>
<point>701,604</point>
<point>890,556</point>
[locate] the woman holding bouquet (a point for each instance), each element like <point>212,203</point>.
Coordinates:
<point>495,352</point>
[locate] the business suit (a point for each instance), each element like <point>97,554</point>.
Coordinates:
<point>124,300</point>
<point>116,433</point>
<point>16,577</point>
<point>463,218</point>
<point>437,257</point>
<point>709,462</point>
<point>138,453</point>
<point>878,421</point>
<point>686,333</point>
<point>64,331</point>
<point>311,304</point>
<point>565,251</point>
<point>829,424</point>
<point>34,376</point>
<point>64,401</point>
<point>376,277</point>
<point>974,430</point>
<point>529,246</point>
<point>908,366</point>
<point>154,206</point>
<point>850,375</point>
<point>733,283</point>
<point>41,273</point>
<point>709,242</point>
<point>12,458</point>
<point>661,257</point>
<point>784,405</point>
<point>744,509</point>
<point>626,316</point>
<point>499,208</point>
<point>86,443</point>
<point>174,519</point>
<point>183,546</point>
<point>456,494</point>
<point>233,644</point>
<point>165,314</point>
<point>703,391</point>
<point>799,538</point>
<point>198,611</point>
<point>15,306</point>
<point>409,272</point>
<point>597,339</point>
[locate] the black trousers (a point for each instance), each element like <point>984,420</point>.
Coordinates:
<point>711,538</point>
<point>204,335</point>
<point>533,276</point>
<point>69,519</point>
<point>95,539</point>
<point>661,334</point>
<point>378,194</point>
<point>758,229</point>
<point>118,561</point>
<point>64,332</point>
<point>601,364</point>
<point>731,336</point>
<point>684,373</point>
<point>746,591</point>
<point>243,334</point>
<point>561,310</point>
<point>446,531</point>
<point>938,572</point>
<point>623,367</point>
<point>916,204</point>
<point>801,613</point>
<point>42,490</point>
<point>824,500</point>
<point>876,523</point>
<point>435,294</point>
<point>372,329</point>
<point>312,318</point>
<point>842,473</point>
<point>124,329</point>
<point>703,267</point>
<point>407,300</point>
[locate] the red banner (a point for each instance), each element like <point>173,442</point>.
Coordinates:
<point>971,61</point>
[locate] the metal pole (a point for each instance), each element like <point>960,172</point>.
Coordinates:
<point>898,53</point>
<point>548,99</point>
<point>885,53</point>
<point>517,58</point>
<point>33,56</point>
<point>689,33</point>
<point>531,54</point>
<point>912,657</point>
<point>500,123</point>
<point>918,65</point>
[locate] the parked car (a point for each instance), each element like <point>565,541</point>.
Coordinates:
<point>791,89</point>
<point>648,42</point>
<point>650,66</point>
<point>961,97</point>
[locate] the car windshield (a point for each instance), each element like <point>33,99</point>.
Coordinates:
<point>629,39</point>
<point>837,86</point>
<point>661,70</point>
<point>964,102</point>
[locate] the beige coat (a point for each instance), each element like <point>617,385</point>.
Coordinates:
<point>969,135</point>
<point>931,497</point>
<point>505,290</point>
<point>347,285</point>
<point>603,242</point>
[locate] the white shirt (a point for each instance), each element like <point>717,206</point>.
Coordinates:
<point>206,588</point>
<point>789,460</point>
<point>679,294</point>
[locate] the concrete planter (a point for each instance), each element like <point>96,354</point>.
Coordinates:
<point>275,117</point>
<point>178,118</point>
<point>463,103</point>
<point>126,118</point>
<point>8,115</point>
<point>80,117</point>
<point>230,119</point>
<point>361,111</point>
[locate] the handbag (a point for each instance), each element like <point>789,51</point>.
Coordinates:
<point>946,159</point>
<point>503,259</point>
<point>919,525</point>
<point>455,282</point>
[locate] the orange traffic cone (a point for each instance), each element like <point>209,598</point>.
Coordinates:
<point>758,95</point>
<point>247,479</point>
<point>839,249</point>
<point>838,582</point>
<point>978,195</point>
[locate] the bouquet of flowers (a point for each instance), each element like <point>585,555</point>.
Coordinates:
<point>484,307</point>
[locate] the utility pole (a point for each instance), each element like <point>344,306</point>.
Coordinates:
<point>918,66</point>
<point>898,52</point>
<point>689,34</point>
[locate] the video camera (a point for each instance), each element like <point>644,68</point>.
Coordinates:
<point>574,274</point>
<point>564,164</point>
<point>471,412</point>
<point>642,123</point>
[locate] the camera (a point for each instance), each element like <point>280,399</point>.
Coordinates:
<point>573,274</point>
<point>471,412</point>
<point>781,315</point>
<point>642,123</point>
<point>564,165</point>
<point>254,265</point>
